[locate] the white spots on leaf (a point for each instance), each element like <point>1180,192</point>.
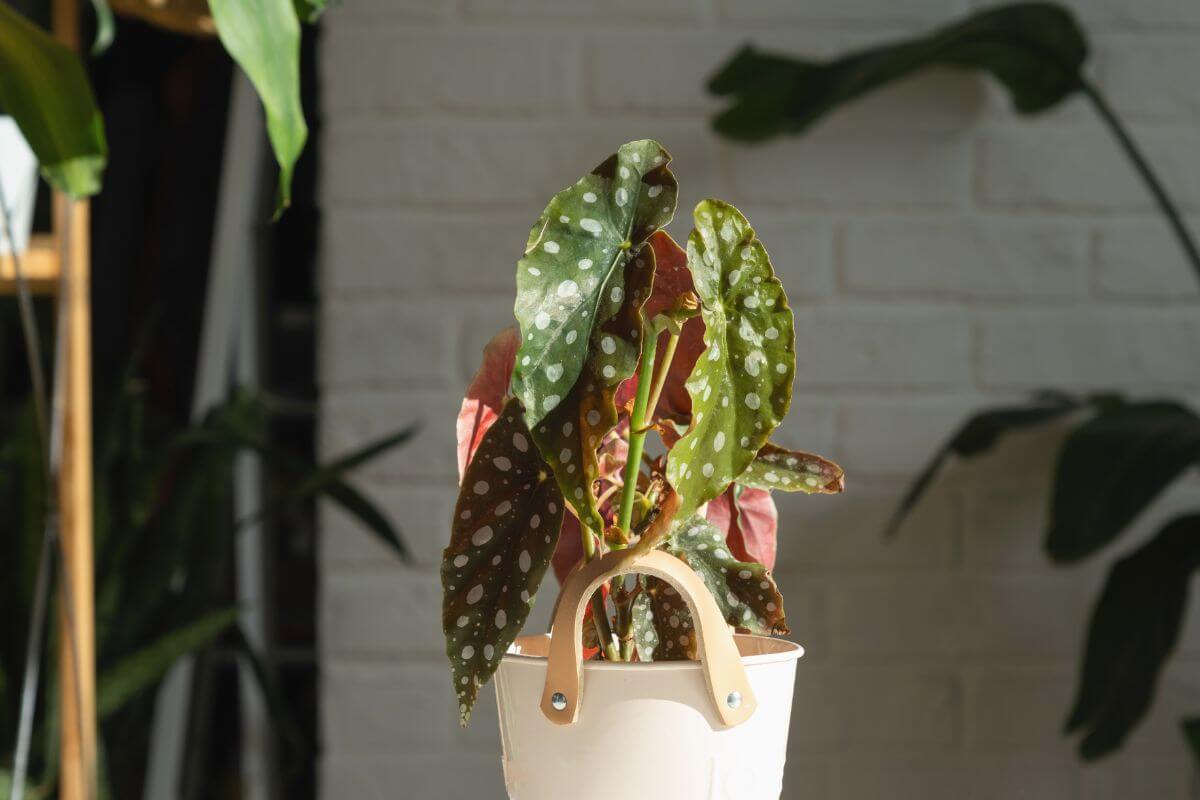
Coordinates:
<point>534,521</point>
<point>812,482</point>
<point>502,463</point>
<point>590,225</point>
<point>550,402</point>
<point>721,554</point>
<point>719,441</point>
<point>502,509</point>
<point>555,371</point>
<point>772,332</point>
<point>624,173</point>
<point>474,595</point>
<point>501,620</point>
<point>460,561</point>
<point>622,196</point>
<point>550,247</point>
<point>753,401</point>
<point>466,514</point>
<point>572,336</point>
<point>468,651</point>
<point>541,321</point>
<point>524,561</point>
<point>565,455</point>
<point>654,191</point>
<point>568,288</point>
<point>771,477</point>
<point>481,487</point>
<point>488,652</point>
<point>617,294</point>
<point>745,441</point>
<point>585,263</point>
<point>482,536</point>
<point>771,606</point>
<point>524,596</point>
<point>707,470</point>
<point>534,271</point>
<point>520,442</point>
<point>593,418</point>
<point>567,428</point>
<point>744,574</point>
<point>751,301</point>
<point>462,622</point>
<point>714,353</point>
<point>608,345</point>
<point>589,197</point>
<point>553,508</point>
<point>727,231</point>
<point>608,371</point>
<point>564,219</point>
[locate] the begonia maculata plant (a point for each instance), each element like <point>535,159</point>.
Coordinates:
<point>621,334</point>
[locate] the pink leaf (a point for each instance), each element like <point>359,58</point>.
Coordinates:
<point>485,395</point>
<point>671,279</point>
<point>749,521</point>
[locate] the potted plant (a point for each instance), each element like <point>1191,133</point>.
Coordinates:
<point>664,550</point>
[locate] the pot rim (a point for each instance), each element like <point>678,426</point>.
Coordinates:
<point>787,651</point>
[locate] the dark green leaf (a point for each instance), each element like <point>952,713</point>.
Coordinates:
<point>662,623</point>
<point>144,668</point>
<point>310,10</point>
<point>1134,627</point>
<point>505,529</point>
<point>276,702</point>
<point>977,436</point>
<point>44,88</point>
<point>777,468</point>
<point>741,385</point>
<point>1111,467</point>
<point>572,277</point>
<point>1191,732</point>
<point>1035,50</point>
<point>263,37</point>
<point>744,590</point>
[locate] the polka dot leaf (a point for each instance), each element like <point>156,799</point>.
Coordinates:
<point>662,624</point>
<point>777,468</point>
<point>744,590</point>
<point>741,385</point>
<point>505,528</point>
<point>572,277</point>
<point>570,433</point>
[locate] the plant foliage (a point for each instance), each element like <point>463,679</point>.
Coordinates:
<point>623,334</point>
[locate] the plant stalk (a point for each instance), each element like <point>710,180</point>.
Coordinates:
<point>1165,204</point>
<point>637,429</point>
<point>660,379</point>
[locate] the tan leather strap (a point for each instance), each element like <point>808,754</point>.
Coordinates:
<point>719,658</point>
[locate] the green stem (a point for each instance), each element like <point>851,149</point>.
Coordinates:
<point>1165,204</point>
<point>660,380</point>
<point>637,432</point>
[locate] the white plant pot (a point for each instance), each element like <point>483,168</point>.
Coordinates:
<point>645,730</point>
<point>18,180</point>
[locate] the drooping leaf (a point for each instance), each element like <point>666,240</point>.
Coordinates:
<point>744,590</point>
<point>1134,627</point>
<point>505,526</point>
<point>144,668</point>
<point>1111,467</point>
<point>786,470</point>
<point>44,88</point>
<point>263,37</point>
<point>742,386</point>
<point>486,392</point>
<point>977,436</point>
<point>571,279</point>
<point>657,523</point>
<point>1034,50</point>
<point>749,520</point>
<point>1191,733</point>
<point>570,434</point>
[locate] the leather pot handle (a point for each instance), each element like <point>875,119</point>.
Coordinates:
<point>724,674</point>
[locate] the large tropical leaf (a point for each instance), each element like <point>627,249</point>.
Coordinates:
<point>742,386</point>
<point>1035,50</point>
<point>744,590</point>
<point>44,88</point>
<point>572,277</point>
<point>1134,627</point>
<point>506,524</point>
<point>978,435</point>
<point>263,37</point>
<point>777,467</point>
<point>1111,467</point>
<point>144,668</point>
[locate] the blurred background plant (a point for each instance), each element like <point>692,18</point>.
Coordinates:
<point>1118,455</point>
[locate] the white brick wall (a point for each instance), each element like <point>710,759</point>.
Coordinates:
<point>940,253</point>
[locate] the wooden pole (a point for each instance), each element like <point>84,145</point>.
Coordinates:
<point>77,649</point>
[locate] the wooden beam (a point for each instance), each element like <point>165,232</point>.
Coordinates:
<point>39,262</point>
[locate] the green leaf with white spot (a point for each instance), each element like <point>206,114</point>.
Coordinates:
<point>777,468</point>
<point>569,435</point>
<point>741,386</point>
<point>662,623</point>
<point>572,277</point>
<point>505,529</point>
<point>744,590</point>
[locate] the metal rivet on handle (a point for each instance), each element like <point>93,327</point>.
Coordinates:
<point>734,699</point>
<point>559,701</point>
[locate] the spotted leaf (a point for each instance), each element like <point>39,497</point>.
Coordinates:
<point>662,623</point>
<point>749,520</point>
<point>744,590</point>
<point>572,277</point>
<point>571,432</point>
<point>505,527</point>
<point>777,468</point>
<point>741,386</point>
